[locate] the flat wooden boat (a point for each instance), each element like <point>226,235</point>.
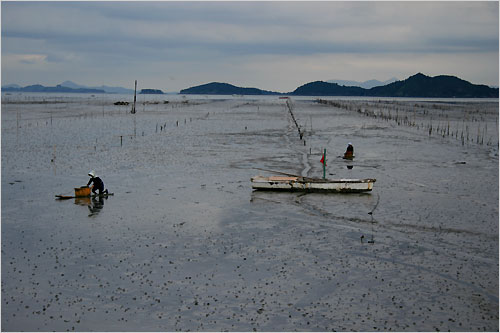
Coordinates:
<point>288,183</point>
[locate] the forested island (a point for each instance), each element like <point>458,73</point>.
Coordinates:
<point>151,91</point>
<point>418,85</point>
<point>217,88</point>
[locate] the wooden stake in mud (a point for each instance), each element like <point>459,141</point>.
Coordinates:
<point>135,90</point>
<point>54,160</point>
<point>17,125</point>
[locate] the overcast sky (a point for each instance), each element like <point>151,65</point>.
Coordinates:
<point>268,45</point>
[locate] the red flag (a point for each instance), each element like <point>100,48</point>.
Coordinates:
<point>323,159</point>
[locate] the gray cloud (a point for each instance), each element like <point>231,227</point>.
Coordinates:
<point>174,36</point>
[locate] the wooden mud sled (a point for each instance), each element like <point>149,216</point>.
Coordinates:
<point>82,192</point>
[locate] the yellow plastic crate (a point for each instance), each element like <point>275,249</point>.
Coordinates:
<point>83,191</point>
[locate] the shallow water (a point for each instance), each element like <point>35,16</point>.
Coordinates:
<point>184,243</point>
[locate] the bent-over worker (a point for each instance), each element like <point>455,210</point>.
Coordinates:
<point>98,183</point>
<point>349,153</point>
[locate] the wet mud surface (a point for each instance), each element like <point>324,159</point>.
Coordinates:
<point>184,244</point>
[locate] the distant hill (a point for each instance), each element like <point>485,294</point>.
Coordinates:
<point>321,88</point>
<point>151,91</point>
<point>217,88</point>
<point>107,89</point>
<point>72,85</point>
<point>11,86</point>
<point>418,85</point>
<point>366,84</point>
<point>58,89</point>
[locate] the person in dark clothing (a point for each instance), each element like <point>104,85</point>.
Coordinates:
<point>349,153</point>
<point>98,184</point>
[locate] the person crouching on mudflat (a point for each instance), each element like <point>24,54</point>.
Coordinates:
<point>98,184</point>
<point>349,153</point>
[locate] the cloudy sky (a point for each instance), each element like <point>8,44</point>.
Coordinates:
<point>268,45</point>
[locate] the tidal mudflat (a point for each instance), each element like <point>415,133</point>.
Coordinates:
<point>184,244</point>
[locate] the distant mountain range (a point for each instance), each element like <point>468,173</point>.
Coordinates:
<point>67,87</point>
<point>57,89</point>
<point>418,85</point>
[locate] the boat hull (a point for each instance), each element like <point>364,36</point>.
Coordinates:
<point>312,185</point>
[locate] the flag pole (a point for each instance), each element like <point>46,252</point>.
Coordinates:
<point>324,164</point>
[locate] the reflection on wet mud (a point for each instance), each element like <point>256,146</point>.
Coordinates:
<point>273,196</point>
<point>83,201</point>
<point>94,204</point>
